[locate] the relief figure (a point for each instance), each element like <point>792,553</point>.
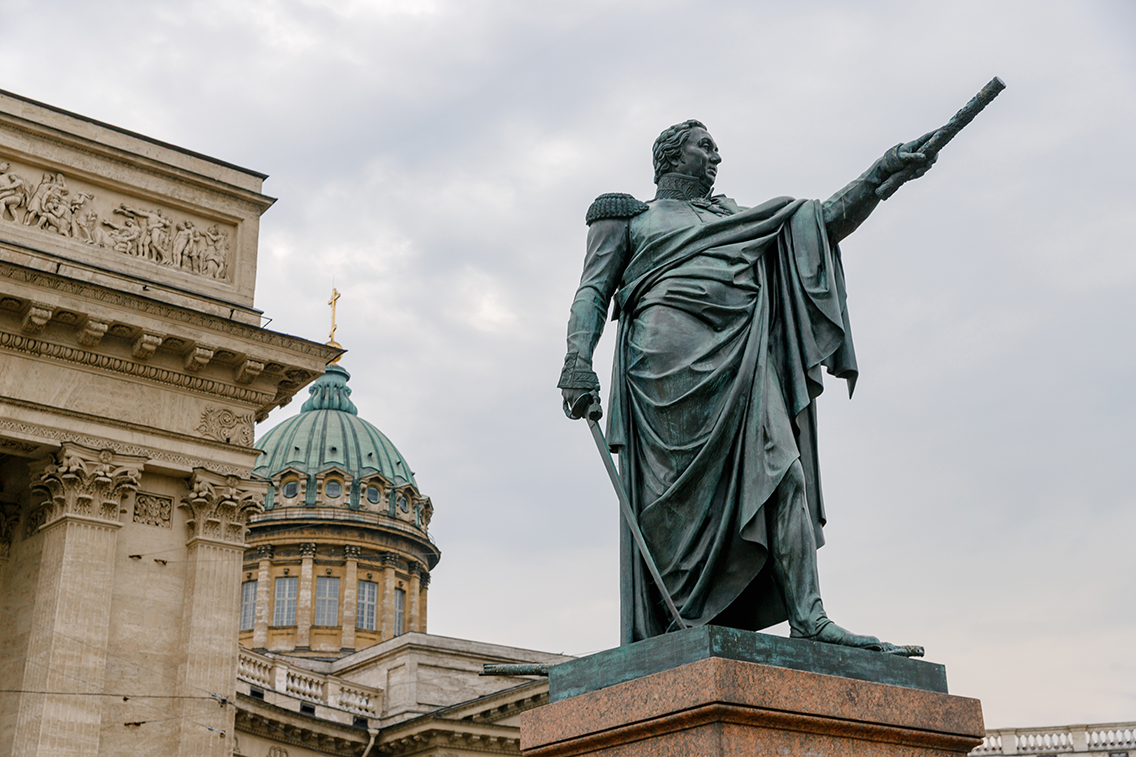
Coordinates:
<point>13,192</point>
<point>213,259</point>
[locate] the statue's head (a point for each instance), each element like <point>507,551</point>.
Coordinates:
<point>687,148</point>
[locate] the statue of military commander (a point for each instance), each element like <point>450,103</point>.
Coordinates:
<point>727,316</point>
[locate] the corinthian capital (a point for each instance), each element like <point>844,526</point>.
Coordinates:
<point>87,483</point>
<point>219,506</point>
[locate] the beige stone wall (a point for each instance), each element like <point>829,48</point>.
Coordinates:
<point>130,381</point>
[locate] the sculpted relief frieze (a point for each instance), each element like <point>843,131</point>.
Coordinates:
<point>65,207</point>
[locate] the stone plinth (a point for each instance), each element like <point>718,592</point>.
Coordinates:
<point>719,706</point>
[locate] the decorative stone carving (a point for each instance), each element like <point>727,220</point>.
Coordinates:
<point>308,549</point>
<point>247,371</point>
<point>87,483</point>
<point>35,519</point>
<point>265,552</point>
<point>36,318</point>
<point>352,552</point>
<point>413,568</point>
<point>152,510</point>
<point>92,332</point>
<point>146,453</point>
<point>145,345</point>
<point>226,426</point>
<point>219,506</point>
<point>389,559</point>
<point>9,519</point>
<point>424,579</point>
<point>53,206</point>
<point>197,358</point>
<point>425,513</point>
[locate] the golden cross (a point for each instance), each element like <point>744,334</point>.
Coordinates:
<point>331,337</point>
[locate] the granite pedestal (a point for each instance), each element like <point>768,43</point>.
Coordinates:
<point>712,691</point>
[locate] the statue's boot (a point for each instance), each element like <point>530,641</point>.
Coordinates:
<point>830,633</point>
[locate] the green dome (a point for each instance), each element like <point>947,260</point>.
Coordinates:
<point>328,433</point>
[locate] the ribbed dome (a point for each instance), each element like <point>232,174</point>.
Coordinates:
<point>328,433</point>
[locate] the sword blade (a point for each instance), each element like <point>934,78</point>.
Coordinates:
<point>633,522</point>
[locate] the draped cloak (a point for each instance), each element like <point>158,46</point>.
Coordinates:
<point>725,323</point>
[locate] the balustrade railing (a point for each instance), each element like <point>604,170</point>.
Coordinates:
<point>1104,738</point>
<point>270,674</point>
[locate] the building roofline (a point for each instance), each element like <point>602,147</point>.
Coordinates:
<point>134,134</point>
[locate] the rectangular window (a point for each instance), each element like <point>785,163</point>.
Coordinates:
<point>327,601</point>
<point>284,608</point>
<point>368,604</point>
<point>248,605</point>
<point>399,611</point>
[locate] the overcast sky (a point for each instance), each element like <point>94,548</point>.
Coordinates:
<point>436,159</point>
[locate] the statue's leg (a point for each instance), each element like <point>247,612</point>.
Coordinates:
<point>793,547</point>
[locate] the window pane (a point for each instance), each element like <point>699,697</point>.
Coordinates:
<point>399,611</point>
<point>373,495</point>
<point>333,489</point>
<point>327,601</point>
<point>368,601</point>
<point>284,608</point>
<point>291,489</point>
<point>248,604</point>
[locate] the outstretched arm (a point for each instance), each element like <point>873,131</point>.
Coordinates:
<point>608,252</point>
<point>850,207</point>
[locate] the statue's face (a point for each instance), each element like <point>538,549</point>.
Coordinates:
<point>699,157</point>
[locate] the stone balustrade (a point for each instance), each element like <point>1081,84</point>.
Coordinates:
<point>274,677</point>
<point>1115,739</point>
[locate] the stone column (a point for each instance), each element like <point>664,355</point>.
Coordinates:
<point>304,596</point>
<point>263,589</point>
<point>390,560</point>
<point>412,592</point>
<point>67,642</point>
<point>350,592</point>
<point>424,582</point>
<point>218,509</point>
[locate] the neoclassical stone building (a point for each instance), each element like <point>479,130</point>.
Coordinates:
<point>132,369</point>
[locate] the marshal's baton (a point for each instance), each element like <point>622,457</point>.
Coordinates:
<point>940,138</point>
<point>591,415</point>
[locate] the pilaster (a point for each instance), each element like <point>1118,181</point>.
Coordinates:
<point>412,592</point>
<point>218,508</point>
<point>263,579</point>
<point>304,597</point>
<point>350,596</point>
<point>390,560</point>
<point>424,583</point>
<point>84,490</point>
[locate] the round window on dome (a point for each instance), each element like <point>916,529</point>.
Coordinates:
<point>291,489</point>
<point>373,494</point>
<point>333,489</point>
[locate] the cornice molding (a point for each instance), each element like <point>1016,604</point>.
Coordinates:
<point>152,453</point>
<point>172,312</point>
<point>78,356</point>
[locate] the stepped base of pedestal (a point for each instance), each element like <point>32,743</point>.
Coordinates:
<point>725,707</point>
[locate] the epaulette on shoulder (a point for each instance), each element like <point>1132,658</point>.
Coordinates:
<point>614,205</point>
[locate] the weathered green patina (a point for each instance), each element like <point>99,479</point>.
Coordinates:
<point>728,317</point>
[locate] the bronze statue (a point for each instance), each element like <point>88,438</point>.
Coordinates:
<point>727,316</point>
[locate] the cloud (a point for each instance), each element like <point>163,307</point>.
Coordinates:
<point>436,159</point>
